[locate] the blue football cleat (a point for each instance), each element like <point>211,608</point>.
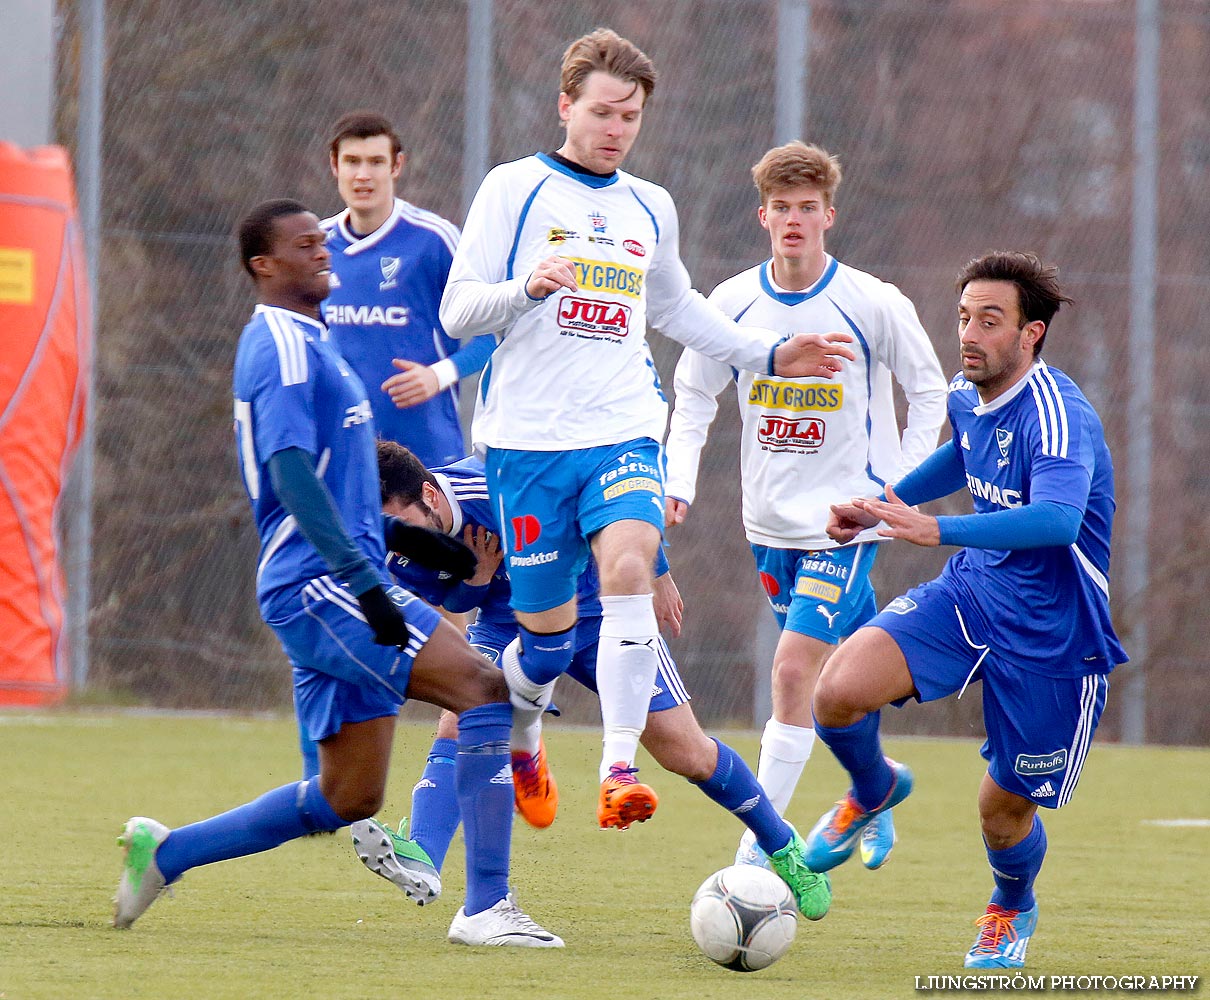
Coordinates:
<point>834,837</point>
<point>877,841</point>
<point>1003,937</point>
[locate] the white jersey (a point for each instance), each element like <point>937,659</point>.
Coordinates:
<point>807,443</point>
<point>573,370</point>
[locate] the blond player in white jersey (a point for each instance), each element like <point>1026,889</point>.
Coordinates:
<point>808,443</point>
<point>571,259</point>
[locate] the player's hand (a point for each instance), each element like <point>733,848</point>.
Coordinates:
<point>669,608</point>
<point>486,547</point>
<point>846,521</point>
<point>415,383</point>
<point>813,355</point>
<point>901,520</point>
<point>675,511</point>
<point>431,549</point>
<point>383,616</point>
<point>551,275</point>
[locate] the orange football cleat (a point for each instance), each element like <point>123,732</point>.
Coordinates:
<point>624,799</point>
<point>534,788</point>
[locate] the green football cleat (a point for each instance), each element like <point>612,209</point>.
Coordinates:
<point>812,891</point>
<point>397,859</point>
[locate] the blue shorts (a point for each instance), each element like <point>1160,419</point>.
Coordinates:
<point>1039,728</point>
<point>824,593</point>
<point>668,692</point>
<point>551,502</point>
<point>340,674</point>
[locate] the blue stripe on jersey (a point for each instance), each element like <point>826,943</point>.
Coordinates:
<point>655,225</point>
<point>794,298</point>
<point>588,180</point>
<point>869,384</point>
<point>740,315</point>
<point>512,254</point>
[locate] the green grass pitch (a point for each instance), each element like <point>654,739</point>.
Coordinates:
<point>1118,895</point>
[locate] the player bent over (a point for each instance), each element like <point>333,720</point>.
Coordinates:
<point>454,499</point>
<point>359,646</point>
<point>1022,607</point>
<point>570,259</point>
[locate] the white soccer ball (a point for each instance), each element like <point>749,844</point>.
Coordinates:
<point>743,918</point>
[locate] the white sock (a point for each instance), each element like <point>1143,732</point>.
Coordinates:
<point>626,668</point>
<point>529,700</point>
<point>784,751</point>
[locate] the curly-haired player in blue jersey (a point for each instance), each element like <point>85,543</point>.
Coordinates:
<point>359,646</point>
<point>1023,607</point>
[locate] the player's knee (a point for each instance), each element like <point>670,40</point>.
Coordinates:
<point>480,683</point>
<point>352,804</point>
<point>627,572</point>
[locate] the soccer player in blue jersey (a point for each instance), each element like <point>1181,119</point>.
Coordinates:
<point>358,645</point>
<point>570,259</point>
<point>1022,607</point>
<point>390,261</point>
<point>454,500</point>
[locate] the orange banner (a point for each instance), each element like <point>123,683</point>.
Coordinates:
<point>45,351</point>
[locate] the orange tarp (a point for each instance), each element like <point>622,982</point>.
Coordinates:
<point>45,350</point>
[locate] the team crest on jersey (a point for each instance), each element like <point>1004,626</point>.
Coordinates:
<point>390,273</point>
<point>1003,440</point>
<point>597,221</point>
<point>901,606</point>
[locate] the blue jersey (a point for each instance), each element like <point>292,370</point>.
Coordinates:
<point>386,289</point>
<point>293,390</point>
<point>465,487</point>
<point>1047,609</point>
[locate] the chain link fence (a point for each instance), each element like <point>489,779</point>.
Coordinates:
<point>963,126</point>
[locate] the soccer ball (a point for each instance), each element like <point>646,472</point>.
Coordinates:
<point>743,918</point>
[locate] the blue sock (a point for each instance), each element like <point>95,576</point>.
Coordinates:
<point>859,750</point>
<point>1016,867</point>
<point>277,816</point>
<point>435,814</point>
<point>484,779</point>
<point>733,786</point>
<point>545,657</point>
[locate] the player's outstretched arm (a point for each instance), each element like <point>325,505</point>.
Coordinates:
<point>812,355</point>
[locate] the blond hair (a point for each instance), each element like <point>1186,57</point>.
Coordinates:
<point>797,165</point>
<point>608,51</point>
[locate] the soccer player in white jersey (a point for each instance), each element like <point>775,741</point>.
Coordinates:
<point>358,646</point>
<point>570,259</point>
<point>807,444</point>
<point>1023,606</point>
<point>390,260</point>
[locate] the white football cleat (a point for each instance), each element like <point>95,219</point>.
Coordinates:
<point>141,880</point>
<point>504,924</point>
